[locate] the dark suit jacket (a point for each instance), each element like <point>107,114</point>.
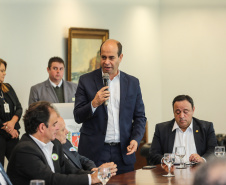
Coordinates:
<point>28,162</point>
<point>45,92</point>
<point>132,118</point>
<point>16,111</point>
<point>163,140</point>
<point>2,171</point>
<point>80,162</point>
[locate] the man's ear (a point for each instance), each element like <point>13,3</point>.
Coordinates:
<point>48,69</point>
<point>120,57</point>
<point>41,127</point>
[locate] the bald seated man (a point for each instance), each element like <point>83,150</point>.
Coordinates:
<point>80,162</point>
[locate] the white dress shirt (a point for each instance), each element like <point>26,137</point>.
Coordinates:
<point>113,131</point>
<point>47,149</point>
<point>185,139</point>
<point>54,85</point>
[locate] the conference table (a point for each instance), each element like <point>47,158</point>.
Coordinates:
<point>154,177</point>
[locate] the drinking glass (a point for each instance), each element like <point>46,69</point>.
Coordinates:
<point>219,151</point>
<point>169,160</point>
<point>37,182</point>
<point>104,174</point>
<point>180,152</point>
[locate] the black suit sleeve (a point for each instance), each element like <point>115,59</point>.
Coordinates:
<point>18,107</point>
<point>86,163</point>
<point>82,110</point>
<point>211,141</point>
<point>155,152</point>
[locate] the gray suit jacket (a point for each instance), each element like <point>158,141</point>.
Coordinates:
<point>45,92</point>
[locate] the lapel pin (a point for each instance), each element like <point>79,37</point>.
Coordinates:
<point>197,131</point>
<point>72,149</point>
<point>54,156</point>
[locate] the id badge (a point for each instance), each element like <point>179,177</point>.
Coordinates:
<point>6,107</point>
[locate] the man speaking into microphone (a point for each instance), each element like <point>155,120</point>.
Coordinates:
<point>111,110</point>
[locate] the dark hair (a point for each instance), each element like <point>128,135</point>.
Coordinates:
<point>38,112</point>
<point>182,98</point>
<point>119,47</point>
<point>55,59</point>
<point>204,173</point>
<point>4,87</point>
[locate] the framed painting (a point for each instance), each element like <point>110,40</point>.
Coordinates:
<point>83,51</point>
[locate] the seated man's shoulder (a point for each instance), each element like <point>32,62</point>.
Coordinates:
<point>165,124</point>
<point>202,122</point>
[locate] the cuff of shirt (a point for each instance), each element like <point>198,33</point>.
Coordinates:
<point>89,177</point>
<point>204,159</point>
<point>93,109</point>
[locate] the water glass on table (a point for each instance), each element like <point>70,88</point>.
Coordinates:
<point>180,152</point>
<point>37,182</point>
<point>219,151</point>
<point>104,174</point>
<point>169,160</point>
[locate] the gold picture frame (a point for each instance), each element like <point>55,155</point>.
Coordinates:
<point>83,51</point>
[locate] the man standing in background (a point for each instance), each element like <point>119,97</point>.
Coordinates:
<point>54,89</point>
<point>110,132</point>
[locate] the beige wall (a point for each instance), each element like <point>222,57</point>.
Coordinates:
<point>172,48</point>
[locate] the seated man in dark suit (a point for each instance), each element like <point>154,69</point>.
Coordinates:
<point>79,161</point>
<point>196,135</point>
<point>39,156</point>
<point>4,179</point>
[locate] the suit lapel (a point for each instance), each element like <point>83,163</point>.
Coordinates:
<point>56,162</point>
<point>65,86</point>
<point>197,137</point>
<point>171,136</point>
<point>99,83</point>
<point>123,90</point>
<point>50,91</point>
<point>73,158</point>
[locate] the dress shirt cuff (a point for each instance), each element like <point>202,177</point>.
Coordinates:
<point>93,109</point>
<point>89,177</point>
<point>204,159</point>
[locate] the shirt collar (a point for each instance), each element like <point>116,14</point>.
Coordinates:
<point>54,85</point>
<point>41,144</point>
<point>118,75</point>
<point>175,126</point>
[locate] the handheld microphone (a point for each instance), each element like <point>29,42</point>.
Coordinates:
<point>106,79</point>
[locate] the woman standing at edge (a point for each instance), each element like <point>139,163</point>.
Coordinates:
<point>10,113</point>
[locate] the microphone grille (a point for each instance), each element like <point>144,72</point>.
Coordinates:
<point>105,76</point>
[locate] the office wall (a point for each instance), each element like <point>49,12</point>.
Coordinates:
<point>33,31</point>
<point>193,45</point>
<point>173,47</point>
